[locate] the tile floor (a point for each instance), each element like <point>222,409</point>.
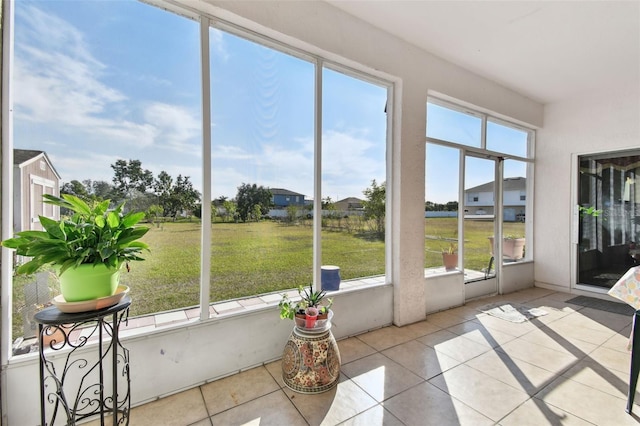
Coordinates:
<point>459,366</point>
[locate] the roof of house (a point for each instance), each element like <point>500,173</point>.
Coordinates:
<point>350,200</point>
<point>509,184</point>
<point>280,191</point>
<point>23,156</point>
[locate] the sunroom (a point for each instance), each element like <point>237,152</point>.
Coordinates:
<point>393,132</point>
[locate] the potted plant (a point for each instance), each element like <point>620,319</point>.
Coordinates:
<point>87,250</point>
<point>512,247</point>
<point>450,257</point>
<point>298,310</point>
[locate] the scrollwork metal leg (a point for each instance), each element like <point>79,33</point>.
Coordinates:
<point>90,397</point>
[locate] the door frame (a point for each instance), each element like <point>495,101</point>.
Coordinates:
<point>489,285</point>
<point>575,285</point>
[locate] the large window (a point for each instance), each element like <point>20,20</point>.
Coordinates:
<point>353,175</point>
<point>116,106</point>
<point>441,204</point>
<point>490,149</point>
<point>453,124</point>
<point>262,152</point>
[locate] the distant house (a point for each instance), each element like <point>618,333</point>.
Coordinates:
<point>33,176</point>
<point>479,200</point>
<point>349,204</point>
<point>283,198</point>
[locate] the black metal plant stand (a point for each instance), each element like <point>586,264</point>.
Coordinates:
<point>91,398</point>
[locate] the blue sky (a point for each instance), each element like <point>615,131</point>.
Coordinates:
<point>97,81</point>
<point>442,163</point>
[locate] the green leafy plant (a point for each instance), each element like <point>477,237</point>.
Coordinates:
<point>589,211</point>
<point>452,249</point>
<point>92,235</point>
<point>308,298</point>
<point>511,237</point>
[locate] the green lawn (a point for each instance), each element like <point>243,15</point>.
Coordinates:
<point>247,259</point>
<point>255,258</point>
<point>440,232</point>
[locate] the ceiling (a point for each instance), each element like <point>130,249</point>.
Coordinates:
<point>549,51</point>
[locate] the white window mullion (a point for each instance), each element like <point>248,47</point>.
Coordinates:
<point>390,193</point>
<point>7,186</point>
<point>462,173</point>
<point>205,259</point>
<point>483,132</point>
<point>317,176</point>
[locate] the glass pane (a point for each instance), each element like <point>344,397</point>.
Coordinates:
<point>262,168</point>
<point>505,139</point>
<point>99,99</point>
<point>514,200</point>
<point>609,217</point>
<point>479,217</point>
<point>453,126</point>
<point>441,207</point>
<point>353,176</point>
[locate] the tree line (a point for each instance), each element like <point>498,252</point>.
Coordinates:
<point>164,196</point>
<point>450,206</point>
<point>160,196</point>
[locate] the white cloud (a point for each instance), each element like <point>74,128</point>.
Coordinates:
<point>94,166</point>
<point>63,100</point>
<point>176,127</point>
<point>58,85</point>
<point>229,152</point>
<point>56,76</point>
<point>347,166</point>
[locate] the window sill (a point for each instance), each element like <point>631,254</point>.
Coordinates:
<point>162,321</point>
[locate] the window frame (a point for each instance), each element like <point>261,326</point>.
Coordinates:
<point>206,21</point>
<point>483,151</point>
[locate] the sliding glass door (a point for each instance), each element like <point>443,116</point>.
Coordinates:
<point>608,217</point>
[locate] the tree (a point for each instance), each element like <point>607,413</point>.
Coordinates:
<point>292,213</point>
<point>162,184</point>
<point>184,191</point>
<point>230,210</point>
<point>99,189</point>
<point>251,195</point>
<point>327,204</point>
<point>130,176</point>
<point>219,202</point>
<point>153,213</point>
<point>374,206</point>
<point>256,212</point>
<point>75,188</point>
<point>450,206</point>
<point>175,197</point>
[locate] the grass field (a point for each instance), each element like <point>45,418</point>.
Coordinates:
<point>255,258</point>
<point>441,232</point>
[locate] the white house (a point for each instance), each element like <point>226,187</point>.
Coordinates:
<point>480,200</point>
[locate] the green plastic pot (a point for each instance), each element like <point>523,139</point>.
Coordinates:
<point>89,282</point>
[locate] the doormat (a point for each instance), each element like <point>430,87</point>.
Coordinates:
<point>603,305</point>
<point>512,312</point>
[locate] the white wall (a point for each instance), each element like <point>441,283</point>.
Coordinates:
<point>594,122</point>
<point>166,362</point>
